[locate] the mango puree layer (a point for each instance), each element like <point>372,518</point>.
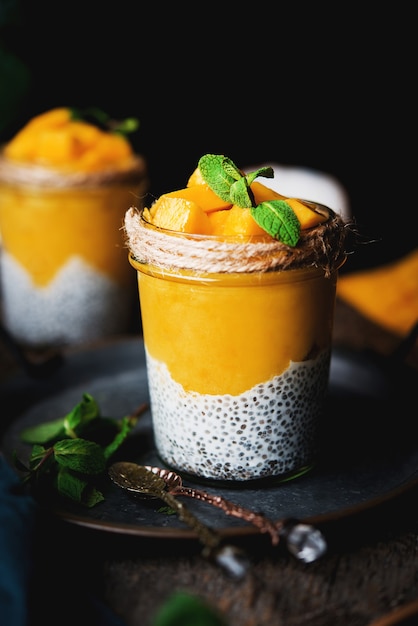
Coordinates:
<point>42,229</point>
<point>225,333</point>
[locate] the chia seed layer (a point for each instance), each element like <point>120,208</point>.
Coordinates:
<point>270,431</point>
<point>79,305</point>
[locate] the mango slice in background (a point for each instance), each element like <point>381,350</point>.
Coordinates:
<point>387,295</point>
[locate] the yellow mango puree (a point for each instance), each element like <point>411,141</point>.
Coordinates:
<point>43,228</point>
<point>225,333</point>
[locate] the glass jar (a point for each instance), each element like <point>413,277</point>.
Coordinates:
<point>63,271</point>
<point>238,345</point>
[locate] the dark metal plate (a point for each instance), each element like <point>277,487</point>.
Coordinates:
<point>369,452</point>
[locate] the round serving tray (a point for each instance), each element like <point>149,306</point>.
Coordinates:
<point>368,452</point>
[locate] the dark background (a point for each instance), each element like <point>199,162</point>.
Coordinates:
<point>332,91</point>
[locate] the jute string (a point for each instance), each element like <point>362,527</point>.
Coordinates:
<point>322,247</point>
<point>132,171</point>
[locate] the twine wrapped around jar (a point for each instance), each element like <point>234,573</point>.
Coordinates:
<point>133,170</point>
<point>318,247</point>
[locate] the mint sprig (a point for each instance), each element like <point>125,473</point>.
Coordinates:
<point>69,453</point>
<point>99,118</point>
<point>276,217</point>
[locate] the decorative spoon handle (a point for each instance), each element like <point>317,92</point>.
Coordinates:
<point>229,557</point>
<point>264,524</point>
<point>305,542</point>
<point>140,479</point>
<point>207,536</point>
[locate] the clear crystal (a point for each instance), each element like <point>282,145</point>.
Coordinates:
<point>306,543</point>
<point>233,561</point>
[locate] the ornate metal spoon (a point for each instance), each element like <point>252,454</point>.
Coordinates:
<point>140,479</point>
<point>176,488</point>
<point>305,542</point>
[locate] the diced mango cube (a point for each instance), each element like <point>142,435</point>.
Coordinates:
<point>307,217</point>
<point>54,138</point>
<point>180,215</point>
<point>196,178</point>
<point>105,150</point>
<point>235,221</point>
<point>185,210</point>
<point>201,195</point>
<point>54,145</point>
<point>262,193</point>
<point>54,118</point>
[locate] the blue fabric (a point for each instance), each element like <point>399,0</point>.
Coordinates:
<point>30,594</point>
<point>17,525</point>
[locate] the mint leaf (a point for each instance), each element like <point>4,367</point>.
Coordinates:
<point>241,194</point>
<point>166,510</point>
<point>75,488</point>
<point>126,426</point>
<point>276,217</point>
<point>279,220</point>
<point>41,459</point>
<point>91,496</point>
<point>43,433</point>
<point>99,118</point>
<point>219,173</point>
<point>70,452</point>
<point>91,115</point>
<point>227,181</point>
<point>48,432</point>
<point>83,413</point>
<point>267,172</point>
<point>125,127</point>
<point>80,455</point>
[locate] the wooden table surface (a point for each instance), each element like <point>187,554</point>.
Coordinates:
<point>369,570</point>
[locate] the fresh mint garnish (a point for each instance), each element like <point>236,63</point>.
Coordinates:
<point>99,118</point>
<point>279,220</point>
<point>70,453</point>
<point>276,217</point>
<point>220,173</point>
<point>240,193</point>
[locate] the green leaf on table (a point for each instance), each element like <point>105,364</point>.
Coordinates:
<point>81,415</point>
<point>70,452</point>
<point>39,455</point>
<point>45,432</point>
<point>75,488</point>
<point>71,425</point>
<point>125,427</point>
<point>166,510</point>
<point>80,455</point>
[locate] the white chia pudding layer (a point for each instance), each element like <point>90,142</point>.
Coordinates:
<point>269,431</point>
<point>80,304</point>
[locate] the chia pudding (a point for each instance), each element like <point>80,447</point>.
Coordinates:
<point>237,328</point>
<point>80,304</point>
<point>267,431</point>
